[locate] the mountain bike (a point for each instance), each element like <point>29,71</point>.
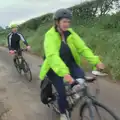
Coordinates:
<point>88,102</point>
<point>21,64</point>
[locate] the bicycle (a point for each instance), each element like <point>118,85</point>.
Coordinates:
<point>21,64</point>
<point>88,101</point>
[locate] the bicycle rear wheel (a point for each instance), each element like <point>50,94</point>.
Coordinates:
<point>54,103</point>
<point>27,71</point>
<point>102,112</point>
<point>55,107</point>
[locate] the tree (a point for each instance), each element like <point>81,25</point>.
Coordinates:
<point>1,28</point>
<point>117,5</point>
<point>106,5</point>
<point>85,10</point>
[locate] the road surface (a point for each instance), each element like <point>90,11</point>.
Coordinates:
<point>21,98</point>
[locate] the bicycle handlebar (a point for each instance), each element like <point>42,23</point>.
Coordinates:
<point>83,83</point>
<point>20,50</point>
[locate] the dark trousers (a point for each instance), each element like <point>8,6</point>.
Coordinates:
<point>76,72</point>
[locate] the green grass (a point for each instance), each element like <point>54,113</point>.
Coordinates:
<point>100,34</point>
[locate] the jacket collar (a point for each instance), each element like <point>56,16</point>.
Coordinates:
<point>66,33</point>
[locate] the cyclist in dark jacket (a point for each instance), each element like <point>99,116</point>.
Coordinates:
<point>14,38</point>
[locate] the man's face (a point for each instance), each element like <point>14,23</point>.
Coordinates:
<point>14,30</point>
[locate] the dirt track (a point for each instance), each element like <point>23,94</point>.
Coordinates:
<point>21,98</point>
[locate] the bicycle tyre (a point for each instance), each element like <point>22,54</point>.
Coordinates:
<point>27,71</point>
<point>96,104</point>
<point>55,108</point>
<point>17,65</point>
<point>54,103</point>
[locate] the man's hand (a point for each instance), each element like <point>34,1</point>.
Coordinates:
<point>11,52</point>
<point>28,47</point>
<point>100,66</point>
<point>68,79</point>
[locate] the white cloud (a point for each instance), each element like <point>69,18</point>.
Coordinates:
<point>14,10</point>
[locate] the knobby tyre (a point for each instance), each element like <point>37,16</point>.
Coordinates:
<point>54,103</point>
<point>17,65</point>
<point>98,109</point>
<point>27,71</point>
<point>55,107</point>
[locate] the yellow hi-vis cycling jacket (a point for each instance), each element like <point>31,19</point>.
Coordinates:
<point>52,46</point>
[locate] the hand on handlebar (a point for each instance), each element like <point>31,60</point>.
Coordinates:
<point>68,79</point>
<point>100,70</point>
<point>28,47</point>
<point>100,66</point>
<point>12,52</point>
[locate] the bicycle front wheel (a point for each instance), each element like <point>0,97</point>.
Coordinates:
<point>100,112</point>
<point>27,71</point>
<point>17,65</point>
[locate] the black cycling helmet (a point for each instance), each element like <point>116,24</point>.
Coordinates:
<point>62,13</point>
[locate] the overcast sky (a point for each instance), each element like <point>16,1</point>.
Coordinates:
<point>21,10</point>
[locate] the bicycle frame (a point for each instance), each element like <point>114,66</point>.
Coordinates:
<point>19,57</point>
<point>17,53</point>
